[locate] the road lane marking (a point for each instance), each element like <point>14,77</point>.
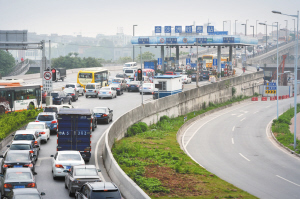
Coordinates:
<point>233,128</point>
<point>39,161</point>
<point>287,180</point>
<point>268,106</point>
<point>96,156</point>
<point>244,157</point>
<point>243,119</point>
<point>232,140</point>
<point>240,115</point>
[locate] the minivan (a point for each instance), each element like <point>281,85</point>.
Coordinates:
<point>130,73</point>
<point>92,89</point>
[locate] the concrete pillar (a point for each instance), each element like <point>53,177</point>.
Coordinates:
<point>162,55</point>
<point>219,59</point>
<point>177,56</point>
<point>230,53</point>
<point>43,64</point>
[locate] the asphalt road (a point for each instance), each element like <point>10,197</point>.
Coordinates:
<point>235,145</point>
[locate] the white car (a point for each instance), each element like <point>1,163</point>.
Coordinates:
<point>63,160</point>
<point>147,88</point>
<point>185,79</point>
<point>42,128</point>
<point>76,86</point>
<point>107,92</point>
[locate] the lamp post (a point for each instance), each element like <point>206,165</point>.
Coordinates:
<point>256,27</point>
<point>235,26</point>
<point>266,35</point>
<point>246,27</point>
<point>235,47</point>
<point>295,74</point>
<point>253,36</point>
<point>286,33</point>
<point>223,24</point>
<point>245,35</point>
<point>133,45</point>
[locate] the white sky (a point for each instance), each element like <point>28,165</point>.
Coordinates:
<point>91,17</point>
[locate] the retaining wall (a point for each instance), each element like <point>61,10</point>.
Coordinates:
<point>172,106</point>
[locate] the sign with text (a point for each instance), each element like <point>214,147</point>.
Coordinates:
<point>47,81</point>
<point>167,29</point>
<point>157,29</point>
<point>210,29</point>
<point>228,39</point>
<point>171,40</point>
<point>215,62</point>
<point>199,29</point>
<point>178,29</point>
<point>188,29</point>
<point>201,40</point>
<point>143,41</point>
<point>188,61</point>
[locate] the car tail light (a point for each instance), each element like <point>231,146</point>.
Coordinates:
<point>54,122</point>
<point>30,151</point>
<point>95,91</point>
<point>30,185</point>
<point>6,165</point>
<point>35,142</point>
<point>59,166</point>
<point>118,88</point>
<point>28,165</point>
<point>7,185</point>
<point>42,133</point>
<point>137,85</point>
<point>72,94</point>
<point>109,92</point>
<point>85,91</point>
<point>37,121</point>
<point>104,115</point>
<point>127,85</point>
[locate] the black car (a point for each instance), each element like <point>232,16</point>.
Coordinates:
<point>122,75</point>
<point>118,88</point>
<point>204,75</point>
<point>25,193</point>
<point>60,97</point>
<point>72,93</point>
<point>134,86</point>
<point>17,178</point>
<point>17,159</point>
<point>103,114</point>
<point>93,190</point>
<point>193,77</point>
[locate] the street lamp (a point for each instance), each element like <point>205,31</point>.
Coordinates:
<point>133,45</point>
<point>256,27</point>
<point>286,27</point>
<point>246,27</point>
<point>295,74</point>
<point>253,36</point>
<point>235,26</point>
<point>245,35</point>
<point>266,35</point>
<point>294,31</point>
<point>223,24</point>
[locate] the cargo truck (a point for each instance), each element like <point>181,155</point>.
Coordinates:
<point>74,131</point>
<point>59,74</point>
<point>150,65</point>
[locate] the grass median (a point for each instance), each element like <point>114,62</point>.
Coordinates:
<point>151,156</point>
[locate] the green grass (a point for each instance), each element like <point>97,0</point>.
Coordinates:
<point>153,159</point>
<point>281,129</point>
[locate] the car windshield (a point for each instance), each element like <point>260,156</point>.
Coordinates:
<point>17,157</point>
<point>20,147</point>
<point>18,176</point>
<point>35,126</point>
<point>54,94</point>
<point>99,110</point>
<point>105,89</point>
<point>106,194</point>
<point>85,75</point>
<point>35,196</point>
<point>116,81</point>
<point>51,109</point>
<point>70,86</point>
<point>128,71</point>
<point>24,137</point>
<point>69,157</point>
<point>90,86</point>
<point>205,73</point>
<point>45,117</point>
<point>85,172</point>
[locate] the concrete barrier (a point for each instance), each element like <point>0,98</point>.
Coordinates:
<point>172,106</point>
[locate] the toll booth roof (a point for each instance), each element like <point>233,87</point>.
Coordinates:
<point>166,76</point>
<point>75,111</point>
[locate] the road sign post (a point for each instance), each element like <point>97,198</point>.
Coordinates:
<point>47,81</point>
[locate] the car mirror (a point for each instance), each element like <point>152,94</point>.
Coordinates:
<point>51,156</point>
<point>40,135</point>
<point>34,173</point>
<point>43,193</point>
<point>111,111</point>
<point>99,170</point>
<point>8,146</point>
<point>1,156</point>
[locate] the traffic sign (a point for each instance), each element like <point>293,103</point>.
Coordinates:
<point>215,62</point>
<point>167,29</point>
<point>178,29</point>
<point>201,40</point>
<point>188,61</point>
<point>143,40</point>
<point>47,81</point>
<point>159,63</point>
<point>188,29</point>
<point>270,91</point>
<point>228,39</point>
<point>157,29</point>
<point>171,40</point>
<point>210,29</point>
<point>199,29</point>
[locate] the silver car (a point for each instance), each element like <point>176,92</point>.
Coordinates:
<point>109,92</point>
<point>78,175</point>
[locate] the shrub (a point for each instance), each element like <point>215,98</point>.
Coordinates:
<point>164,118</point>
<point>143,126</point>
<point>233,91</point>
<point>133,130</point>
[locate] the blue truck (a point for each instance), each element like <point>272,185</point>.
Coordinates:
<point>74,131</point>
<point>150,65</point>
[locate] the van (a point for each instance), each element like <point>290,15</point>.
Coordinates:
<point>92,89</point>
<point>130,72</point>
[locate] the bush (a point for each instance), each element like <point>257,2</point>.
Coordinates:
<point>164,118</point>
<point>143,126</point>
<point>133,130</point>
<point>233,91</point>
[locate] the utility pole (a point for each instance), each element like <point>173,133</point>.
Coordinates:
<point>133,45</point>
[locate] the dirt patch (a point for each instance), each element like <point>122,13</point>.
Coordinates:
<point>180,185</point>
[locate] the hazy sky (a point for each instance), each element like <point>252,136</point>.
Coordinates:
<point>91,17</point>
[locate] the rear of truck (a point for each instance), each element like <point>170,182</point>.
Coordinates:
<point>74,131</point>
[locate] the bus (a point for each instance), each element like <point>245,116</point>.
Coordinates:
<point>130,64</point>
<point>209,59</point>
<point>15,96</point>
<point>93,76</point>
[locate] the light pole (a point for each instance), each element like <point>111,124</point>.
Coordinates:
<point>246,27</point>
<point>286,33</point>
<point>245,35</point>
<point>295,75</point>
<point>253,36</point>
<point>235,47</point>
<point>294,31</point>
<point>235,26</point>
<point>133,45</point>
<point>223,24</point>
<point>256,27</point>
<point>266,35</point>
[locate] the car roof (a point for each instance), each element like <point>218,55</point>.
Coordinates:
<point>57,106</point>
<point>72,84</point>
<point>25,191</point>
<point>103,185</point>
<point>21,142</point>
<point>19,151</point>
<point>37,123</point>
<point>25,132</point>
<point>75,111</point>
<point>55,91</point>
<point>13,170</point>
<point>68,152</point>
<point>84,166</point>
<point>47,113</point>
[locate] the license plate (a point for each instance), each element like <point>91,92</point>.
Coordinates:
<point>103,92</point>
<point>90,90</point>
<point>132,86</point>
<point>17,187</point>
<point>18,166</point>
<point>68,167</point>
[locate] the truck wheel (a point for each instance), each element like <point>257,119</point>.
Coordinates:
<point>86,96</point>
<point>82,93</point>
<point>107,122</point>
<point>93,127</point>
<point>70,102</point>
<point>62,79</point>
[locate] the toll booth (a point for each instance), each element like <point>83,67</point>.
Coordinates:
<point>167,85</point>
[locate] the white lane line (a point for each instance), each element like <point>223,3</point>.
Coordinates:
<point>268,106</point>
<point>244,157</point>
<point>240,115</point>
<point>232,140</point>
<point>39,161</point>
<point>233,128</point>
<point>243,119</point>
<point>287,180</point>
<point>96,156</point>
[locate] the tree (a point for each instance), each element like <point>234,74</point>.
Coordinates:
<point>124,59</point>
<point>76,54</point>
<point>69,62</point>
<point>146,56</point>
<point>7,62</point>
